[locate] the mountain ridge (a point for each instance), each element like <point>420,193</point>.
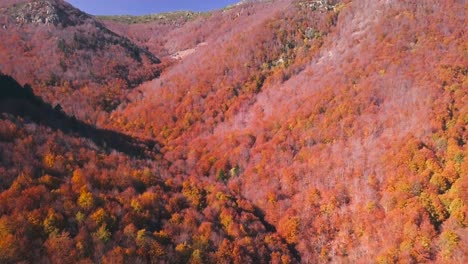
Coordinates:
<point>82,54</point>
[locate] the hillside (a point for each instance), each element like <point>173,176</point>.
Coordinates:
<point>156,32</point>
<point>287,131</point>
<point>77,197</point>
<point>69,57</point>
<point>326,108</point>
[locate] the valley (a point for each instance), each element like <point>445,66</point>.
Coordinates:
<point>286,131</point>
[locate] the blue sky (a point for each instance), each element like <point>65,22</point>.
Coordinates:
<point>140,7</point>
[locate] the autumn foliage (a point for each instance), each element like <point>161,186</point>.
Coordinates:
<point>289,131</point>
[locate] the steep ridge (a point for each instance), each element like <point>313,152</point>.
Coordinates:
<point>69,57</point>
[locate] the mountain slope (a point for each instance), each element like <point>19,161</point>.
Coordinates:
<point>70,57</point>
<point>18,101</point>
<point>331,117</point>
<point>289,131</point>
<point>77,193</point>
<point>151,31</point>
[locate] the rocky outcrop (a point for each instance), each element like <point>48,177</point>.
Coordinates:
<point>45,12</point>
<point>320,5</point>
<point>40,12</point>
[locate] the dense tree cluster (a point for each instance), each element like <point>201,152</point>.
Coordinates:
<point>64,200</point>
<point>291,131</point>
<point>320,111</point>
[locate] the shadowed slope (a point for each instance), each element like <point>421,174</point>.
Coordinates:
<point>21,101</point>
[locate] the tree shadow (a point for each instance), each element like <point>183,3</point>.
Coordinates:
<point>21,101</point>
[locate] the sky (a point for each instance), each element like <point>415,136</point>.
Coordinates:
<point>142,7</point>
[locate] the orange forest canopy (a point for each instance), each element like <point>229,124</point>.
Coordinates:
<point>284,131</point>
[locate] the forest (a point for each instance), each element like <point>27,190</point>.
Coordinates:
<point>284,131</point>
